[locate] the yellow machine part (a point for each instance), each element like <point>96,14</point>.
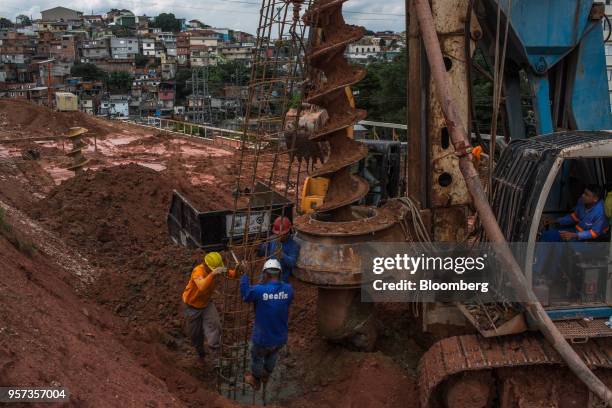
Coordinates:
<point>315,188</point>
<point>313,193</point>
<point>351,99</point>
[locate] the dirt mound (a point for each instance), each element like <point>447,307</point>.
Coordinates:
<point>357,380</point>
<point>30,120</point>
<point>50,337</point>
<point>118,217</point>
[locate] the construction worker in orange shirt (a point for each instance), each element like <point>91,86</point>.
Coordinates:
<point>202,318</point>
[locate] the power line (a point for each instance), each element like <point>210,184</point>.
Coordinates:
<point>367,13</point>
<point>376,13</point>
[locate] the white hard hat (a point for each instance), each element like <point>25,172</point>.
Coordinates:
<point>272,266</point>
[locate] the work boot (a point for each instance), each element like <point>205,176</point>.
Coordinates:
<point>252,381</point>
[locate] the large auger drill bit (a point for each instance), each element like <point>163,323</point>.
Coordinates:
<point>79,161</point>
<point>329,258</point>
<point>331,78</point>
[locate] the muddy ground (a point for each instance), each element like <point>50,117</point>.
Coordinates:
<point>93,283</point>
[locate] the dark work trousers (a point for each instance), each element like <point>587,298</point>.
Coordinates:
<point>203,323</point>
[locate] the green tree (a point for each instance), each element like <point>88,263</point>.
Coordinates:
<point>119,82</point>
<point>383,91</point>
<point>141,60</point>
<point>24,20</point>
<point>167,22</point>
<point>393,89</point>
<point>5,23</point>
<point>366,91</point>
<point>227,73</point>
<point>482,95</point>
<point>89,72</point>
<point>183,89</point>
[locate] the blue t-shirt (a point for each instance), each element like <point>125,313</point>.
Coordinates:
<point>290,251</point>
<point>272,301</point>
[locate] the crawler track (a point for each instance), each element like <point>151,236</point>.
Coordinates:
<point>473,353</point>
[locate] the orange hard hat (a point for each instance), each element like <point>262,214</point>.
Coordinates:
<point>281,225</point>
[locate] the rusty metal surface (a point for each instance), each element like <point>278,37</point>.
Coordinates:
<point>341,122</point>
<point>416,174</point>
<point>357,74</point>
<point>327,258</point>
<point>333,260</point>
<point>450,224</point>
<point>444,164</point>
<point>329,265</point>
<point>344,189</point>
<point>328,75</point>
<point>583,329</point>
<point>76,134</point>
<point>378,219</point>
<point>343,315</point>
<point>354,152</point>
<point>472,353</point>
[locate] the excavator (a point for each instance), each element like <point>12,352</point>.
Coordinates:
<point>556,350</point>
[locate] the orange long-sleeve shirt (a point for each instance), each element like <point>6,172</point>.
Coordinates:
<point>200,288</point>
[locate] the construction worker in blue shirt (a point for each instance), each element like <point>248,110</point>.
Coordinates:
<point>586,223</point>
<point>289,249</point>
<point>272,300</point>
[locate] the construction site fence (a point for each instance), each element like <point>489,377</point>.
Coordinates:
<point>233,138</point>
<point>218,136</point>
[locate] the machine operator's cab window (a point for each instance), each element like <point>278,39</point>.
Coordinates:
<point>571,257</point>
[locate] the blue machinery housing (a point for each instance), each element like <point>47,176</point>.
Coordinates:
<point>559,45</point>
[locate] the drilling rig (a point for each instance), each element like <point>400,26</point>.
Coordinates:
<point>329,234</point>
<point>554,48</point>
